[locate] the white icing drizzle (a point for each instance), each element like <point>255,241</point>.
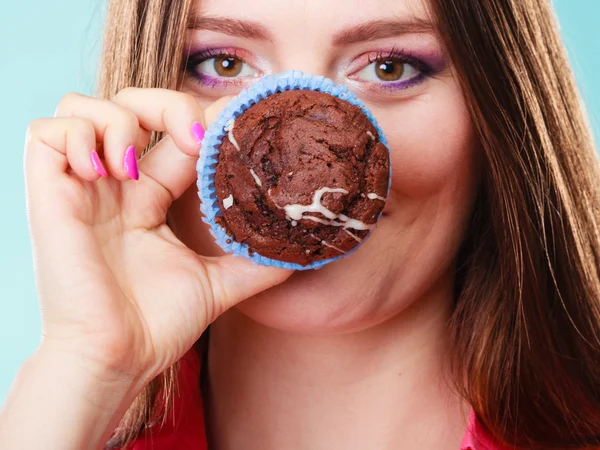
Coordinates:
<point>374,196</point>
<point>296,212</point>
<point>291,173</point>
<point>253,173</point>
<point>371,135</point>
<point>355,237</point>
<point>332,246</point>
<point>228,202</point>
<point>294,223</point>
<point>316,219</point>
<point>326,244</point>
<point>229,128</point>
<point>347,222</point>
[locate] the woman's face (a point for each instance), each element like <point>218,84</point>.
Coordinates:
<point>389,55</point>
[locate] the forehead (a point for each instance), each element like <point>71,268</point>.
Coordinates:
<point>313,16</point>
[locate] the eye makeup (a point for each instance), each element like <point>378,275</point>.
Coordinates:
<point>425,64</point>
<point>197,57</point>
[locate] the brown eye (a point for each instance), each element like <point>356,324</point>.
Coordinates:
<point>226,66</point>
<point>389,70</point>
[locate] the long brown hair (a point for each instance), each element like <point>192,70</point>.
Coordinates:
<point>526,325</point>
<point>144,46</point>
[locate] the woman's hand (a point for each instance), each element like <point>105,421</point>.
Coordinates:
<point>122,298</point>
<point>116,287</point>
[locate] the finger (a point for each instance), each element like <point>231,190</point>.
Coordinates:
<point>234,279</point>
<point>167,168</point>
<point>54,145</point>
<point>170,111</point>
<point>170,168</point>
<point>211,113</point>
<point>116,127</point>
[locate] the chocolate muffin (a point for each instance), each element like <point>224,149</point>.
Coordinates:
<point>301,177</point>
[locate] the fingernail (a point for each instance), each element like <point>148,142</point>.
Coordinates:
<point>97,164</point>
<point>130,163</point>
<point>198,132</point>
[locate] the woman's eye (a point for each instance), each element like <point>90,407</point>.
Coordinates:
<point>388,71</point>
<point>225,67</point>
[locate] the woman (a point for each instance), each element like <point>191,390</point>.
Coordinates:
<point>478,292</point>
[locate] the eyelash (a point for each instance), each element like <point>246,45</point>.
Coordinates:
<point>395,54</point>
<point>401,56</point>
<point>208,81</point>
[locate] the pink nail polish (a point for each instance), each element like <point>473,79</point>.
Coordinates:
<point>130,163</point>
<point>198,132</point>
<point>97,164</point>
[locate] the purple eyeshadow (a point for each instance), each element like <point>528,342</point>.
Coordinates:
<point>208,81</point>
<point>436,63</point>
<point>427,64</point>
<point>400,85</point>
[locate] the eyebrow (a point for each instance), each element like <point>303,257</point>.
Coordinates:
<point>233,27</point>
<point>369,31</point>
<point>381,29</point>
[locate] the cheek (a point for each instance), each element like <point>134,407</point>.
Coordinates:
<point>434,167</point>
<point>431,142</point>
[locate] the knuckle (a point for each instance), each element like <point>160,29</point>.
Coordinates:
<point>119,101</point>
<point>71,96</point>
<point>34,127</point>
<point>66,102</point>
<point>123,118</point>
<point>188,103</point>
<point>33,134</point>
<point>124,93</point>
<point>129,119</point>
<point>81,125</point>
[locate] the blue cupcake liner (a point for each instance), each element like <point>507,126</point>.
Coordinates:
<point>209,154</point>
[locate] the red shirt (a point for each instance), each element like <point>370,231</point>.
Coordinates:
<point>183,429</point>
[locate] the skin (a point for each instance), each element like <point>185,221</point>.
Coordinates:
<point>431,141</point>
<point>365,334</point>
<point>350,356</point>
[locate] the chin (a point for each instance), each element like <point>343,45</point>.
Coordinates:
<point>347,295</point>
<point>398,264</point>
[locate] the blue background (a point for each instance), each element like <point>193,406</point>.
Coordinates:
<point>50,48</point>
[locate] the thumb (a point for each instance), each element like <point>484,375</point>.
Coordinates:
<point>234,279</point>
